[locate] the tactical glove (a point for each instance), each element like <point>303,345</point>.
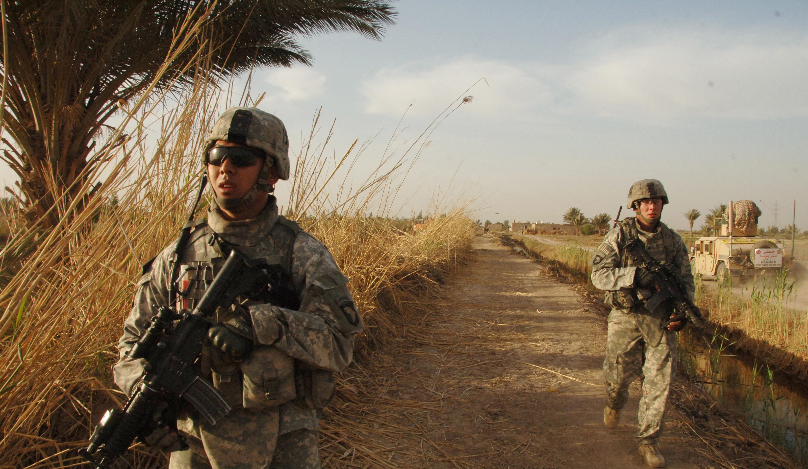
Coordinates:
<point>235,335</point>
<point>644,278</point>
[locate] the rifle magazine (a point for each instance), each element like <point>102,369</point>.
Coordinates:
<point>207,400</point>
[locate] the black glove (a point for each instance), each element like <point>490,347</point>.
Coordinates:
<point>644,278</point>
<point>234,336</point>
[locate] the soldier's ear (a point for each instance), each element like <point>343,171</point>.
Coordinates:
<point>273,176</point>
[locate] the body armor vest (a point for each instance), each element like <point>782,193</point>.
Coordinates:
<point>661,245</point>
<point>203,257</point>
<point>266,378</point>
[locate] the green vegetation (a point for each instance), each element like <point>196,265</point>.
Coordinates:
<point>601,222</point>
<point>575,217</point>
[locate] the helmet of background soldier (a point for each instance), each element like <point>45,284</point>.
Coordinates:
<point>646,189</point>
<point>258,129</point>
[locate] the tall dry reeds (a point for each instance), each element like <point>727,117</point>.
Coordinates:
<point>70,289</point>
<point>762,315</point>
<point>573,260</point>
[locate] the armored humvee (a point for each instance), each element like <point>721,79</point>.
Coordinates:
<point>738,251</point>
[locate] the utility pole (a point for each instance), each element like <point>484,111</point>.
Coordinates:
<point>775,215</point>
<point>793,228</point>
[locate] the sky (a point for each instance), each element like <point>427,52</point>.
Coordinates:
<point>571,102</point>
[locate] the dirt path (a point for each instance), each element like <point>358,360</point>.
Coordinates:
<point>505,374</point>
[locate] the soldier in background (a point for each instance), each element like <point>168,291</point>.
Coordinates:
<point>273,358</point>
<point>640,343</point>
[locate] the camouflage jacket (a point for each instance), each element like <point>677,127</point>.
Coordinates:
<point>299,344</point>
<point>612,270</point>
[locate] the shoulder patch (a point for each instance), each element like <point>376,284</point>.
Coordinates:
<point>349,310</point>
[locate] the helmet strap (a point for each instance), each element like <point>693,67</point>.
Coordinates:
<point>235,204</point>
<point>646,221</point>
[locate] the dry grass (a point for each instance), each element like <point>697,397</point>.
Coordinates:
<point>761,318</point>
<point>573,259</point>
<point>69,290</point>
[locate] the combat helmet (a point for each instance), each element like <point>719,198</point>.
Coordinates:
<point>646,189</point>
<point>258,129</point>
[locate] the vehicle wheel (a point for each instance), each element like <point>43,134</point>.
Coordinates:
<point>721,273</point>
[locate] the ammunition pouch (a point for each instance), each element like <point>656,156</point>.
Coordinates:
<point>315,388</point>
<point>620,299</point>
<point>228,382</point>
<point>269,378</point>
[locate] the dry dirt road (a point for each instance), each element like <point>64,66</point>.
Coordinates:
<point>505,372</point>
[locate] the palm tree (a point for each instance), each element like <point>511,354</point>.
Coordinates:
<point>576,218</point>
<point>601,222</point>
<point>711,218</point>
<point>70,66</point>
<point>691,216</point>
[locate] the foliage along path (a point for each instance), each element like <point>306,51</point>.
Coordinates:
<point>503,372</point>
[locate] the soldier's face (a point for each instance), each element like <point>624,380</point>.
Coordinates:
<point>650,209</point>
<point>230,181</point>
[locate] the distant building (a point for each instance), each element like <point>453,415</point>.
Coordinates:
<point>554,228</point>
<point>519,227</point>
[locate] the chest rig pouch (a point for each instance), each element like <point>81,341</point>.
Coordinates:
<point>266,378</point>
<point>661,247</point>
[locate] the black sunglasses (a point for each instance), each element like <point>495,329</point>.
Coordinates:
<point>240,157</point>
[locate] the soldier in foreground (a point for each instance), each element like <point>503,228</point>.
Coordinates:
<point>272,357</point>
<point>640,342</point>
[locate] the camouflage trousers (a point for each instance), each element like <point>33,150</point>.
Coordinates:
<point>628,357</point>
<point>247,440</point>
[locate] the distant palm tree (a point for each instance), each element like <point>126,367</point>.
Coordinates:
<point>601,222</point>
<point>576,218</point>
<point>70,66</point>
<point>691,216</point>
<point>711,218</point>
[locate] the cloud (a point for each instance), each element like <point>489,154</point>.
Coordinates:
<point>298,83</point>
<point>644,74</point>
<point>679,74</point>
<point>506,88</point>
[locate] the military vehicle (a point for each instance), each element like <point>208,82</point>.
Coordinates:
<point>737,252</point>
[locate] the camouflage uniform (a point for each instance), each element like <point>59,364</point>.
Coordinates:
<point>638,344</point>
<point>300,339</point>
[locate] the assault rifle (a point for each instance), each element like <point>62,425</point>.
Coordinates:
<point>669,288</point>
<point>170,347</point>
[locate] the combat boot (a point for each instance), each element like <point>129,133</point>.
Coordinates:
<point>650,453</point>
<point>611,417</point>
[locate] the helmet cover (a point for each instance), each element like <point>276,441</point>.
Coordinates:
<point>646,189</point>
<point>258,129</point>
